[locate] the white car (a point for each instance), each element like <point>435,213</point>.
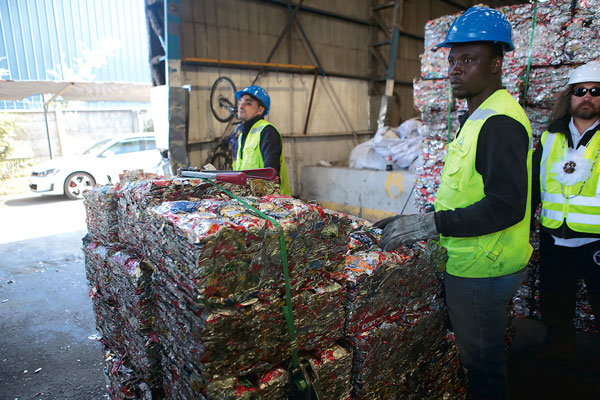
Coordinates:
<point>100,164</point>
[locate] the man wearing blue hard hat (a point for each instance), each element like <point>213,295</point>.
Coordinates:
<point>482,207</point>
<point>259,144</point>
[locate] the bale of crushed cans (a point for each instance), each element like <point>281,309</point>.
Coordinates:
<point>120,286</point>
<point>137,196</point>
<point>123,381</point>
<point>108,318</point>
<point>102,220</point>
<point>201,281</point>
<point>397,322</point>
<point>222,264</point>
<point>566,35</point>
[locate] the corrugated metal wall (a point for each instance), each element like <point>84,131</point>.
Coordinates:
<point>99,40</point>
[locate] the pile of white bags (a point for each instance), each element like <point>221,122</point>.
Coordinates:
<point>403,143</point>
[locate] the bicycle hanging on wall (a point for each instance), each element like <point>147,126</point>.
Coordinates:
<point>223,105</point>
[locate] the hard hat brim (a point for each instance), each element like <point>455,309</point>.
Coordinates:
<point>507,47</point>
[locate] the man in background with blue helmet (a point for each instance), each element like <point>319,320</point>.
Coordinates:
<point>259,144</point>
<point>482,207</point>
<point>566,179</point>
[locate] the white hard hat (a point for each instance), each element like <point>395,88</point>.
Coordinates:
<point>589,72</point>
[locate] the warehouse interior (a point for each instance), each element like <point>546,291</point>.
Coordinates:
<point>326,65</point>
<point>336,71</point>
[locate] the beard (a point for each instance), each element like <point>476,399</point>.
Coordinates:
<point>587,113</point>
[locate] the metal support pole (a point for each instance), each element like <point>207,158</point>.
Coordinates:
<point>310,48</point>
<point>387,99</point>
<point>312,94</point>
<point>47,127</point>
<point>391,69</point>
<point>280,38</point>
<point>46,105</point>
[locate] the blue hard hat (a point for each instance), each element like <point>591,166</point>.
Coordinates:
<point>258,93</point>
<point>480,24</point>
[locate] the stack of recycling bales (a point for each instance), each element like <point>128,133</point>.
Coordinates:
<point>121,288</point>
<point>120,283</point>
<point>565,36</point>
<point>368,323</point>
<point>218,313</point>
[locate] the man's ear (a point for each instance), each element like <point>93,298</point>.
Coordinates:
<point>261,110</point>
<point>496,65</point>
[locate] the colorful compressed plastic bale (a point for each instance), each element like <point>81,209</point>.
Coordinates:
<point>273,385</point>
<point>104,301</point>
<point>123,382</point>
<point>102,219</point>
<point>396,320</point>
<point>545,83</point>
<point>219,284</point>
<point>582,39</point>
<point>252,336</point>
<point>548,39</point>
<point>137,196</point>
<point>427,177</point>
<point>333,367</point>
<point>230,253</point>
<point>132,285</point>
<point>389,358</point>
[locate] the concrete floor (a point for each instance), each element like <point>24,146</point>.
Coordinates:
<point>46,317</point>
<point>47,321</point>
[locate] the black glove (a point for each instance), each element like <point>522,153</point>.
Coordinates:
<point>402,229</point>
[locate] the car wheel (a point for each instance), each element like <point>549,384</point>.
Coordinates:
<point>77,183</point>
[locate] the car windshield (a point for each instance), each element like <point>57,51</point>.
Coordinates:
<point>96,147</point>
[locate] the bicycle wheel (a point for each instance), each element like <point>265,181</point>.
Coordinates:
<point>222,99</point>
<point>221,160</point>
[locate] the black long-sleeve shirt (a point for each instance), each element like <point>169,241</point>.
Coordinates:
<point>501,160</point>
<point>270,143</point>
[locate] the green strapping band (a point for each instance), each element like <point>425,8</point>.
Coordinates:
<point>288,312</point>
<point>530,51</point>
<point>449,112</point>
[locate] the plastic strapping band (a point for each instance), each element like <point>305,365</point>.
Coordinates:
<point>530,51</point>
<point>449,112</point>
<point>288,312</point>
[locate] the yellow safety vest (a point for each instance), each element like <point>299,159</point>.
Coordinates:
<point>578,206</point>
<point>498,253</point>
<point>253,157</point>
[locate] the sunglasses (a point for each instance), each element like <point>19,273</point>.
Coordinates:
<point>581,91</point>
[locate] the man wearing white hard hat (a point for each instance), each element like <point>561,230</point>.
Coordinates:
<point>566,180</point>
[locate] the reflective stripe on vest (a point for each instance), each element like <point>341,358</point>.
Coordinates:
<point>577,206</point>
<point>498,253</point>
<point>252,157</point>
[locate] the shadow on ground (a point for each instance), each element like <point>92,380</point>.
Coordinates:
<point>544,379</point>
<point>36,200</point>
